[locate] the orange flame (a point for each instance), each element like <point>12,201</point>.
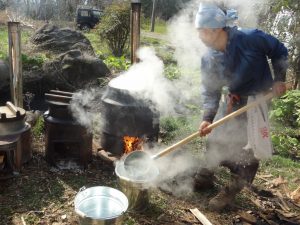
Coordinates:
<point>132,144</point>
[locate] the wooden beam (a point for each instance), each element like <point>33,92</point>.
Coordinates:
<point>135,29</point>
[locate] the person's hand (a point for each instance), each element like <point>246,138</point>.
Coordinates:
<point>203,130</point>
<point>279,88</point>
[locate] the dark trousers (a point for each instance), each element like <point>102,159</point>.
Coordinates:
<point>225,146</point>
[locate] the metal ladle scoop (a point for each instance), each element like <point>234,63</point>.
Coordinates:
<point>139,162</point>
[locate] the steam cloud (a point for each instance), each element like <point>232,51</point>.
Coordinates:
<point>145,80</point>
<point>86,108</point>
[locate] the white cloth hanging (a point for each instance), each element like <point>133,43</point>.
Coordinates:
<point>258,129</point>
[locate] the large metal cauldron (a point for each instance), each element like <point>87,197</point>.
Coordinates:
<point>12,120</point>
<point>137,188</point>
<point>100,206</point>
<point>125,115</point>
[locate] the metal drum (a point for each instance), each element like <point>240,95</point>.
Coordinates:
<point>137,188</point>
<point>125,115</point>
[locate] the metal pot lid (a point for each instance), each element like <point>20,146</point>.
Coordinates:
<point>9,112</point>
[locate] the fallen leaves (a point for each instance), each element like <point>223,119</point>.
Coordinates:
<point>247,217</point>
<point>295,195</point>
<point>276,204</point>
<point>276,182</point>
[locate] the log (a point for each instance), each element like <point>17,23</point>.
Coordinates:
<point>200,217</point>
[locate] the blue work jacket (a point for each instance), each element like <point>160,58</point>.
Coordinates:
<point>243,67</point>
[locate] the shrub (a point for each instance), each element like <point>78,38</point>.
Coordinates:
<point>30,62</point>
<point>170,127</point>
<point>286,109</point>
<point>286,145</point>
<point>285,117</point>
<point>172,72</point>
<point>38,128</point>
<point>115,27</point>
<point>117,64</point>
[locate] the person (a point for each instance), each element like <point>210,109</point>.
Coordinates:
<point>236,63</point>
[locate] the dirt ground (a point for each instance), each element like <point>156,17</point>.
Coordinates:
<point>42,194</point>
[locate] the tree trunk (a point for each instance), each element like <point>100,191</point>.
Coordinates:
<point>153,16</point>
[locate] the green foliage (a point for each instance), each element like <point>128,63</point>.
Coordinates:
<point>145,41</point>
<point>171,127</point>
<point>286,109</point>
<point>172,72</point>
<point>25,36</point>
<point>285,115</point>
<point>30,62</point>
<point>160,25</point>
<point>99,46</point>
<point>3,55</point>
<point>115,27</point>
<point>166,54</point>
<point>277,5</point>
<point>286,146</point>
<point>3,43</point>
<point>170,124</point>
<point>38,128</point>
<point>117,64</point>
<point>282,166</point>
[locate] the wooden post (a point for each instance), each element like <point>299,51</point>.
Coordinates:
<point>15,63</point>
<point>135,28</point>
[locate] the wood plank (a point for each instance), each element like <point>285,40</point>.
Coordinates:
<point>200,217</point>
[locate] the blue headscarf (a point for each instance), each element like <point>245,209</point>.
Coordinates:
<point>211,16</point>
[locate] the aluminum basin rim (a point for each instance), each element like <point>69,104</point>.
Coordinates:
<point>93,193</point>
<point>83,215</point>
<point>138,181</point>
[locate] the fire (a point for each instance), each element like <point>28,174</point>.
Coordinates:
<point>132,144</point>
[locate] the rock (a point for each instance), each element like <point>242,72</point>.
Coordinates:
<point>52,38</point>
<point>74,70</point>
<point>75,65</point>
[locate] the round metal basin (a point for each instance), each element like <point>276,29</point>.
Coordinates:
<point>101,205</point>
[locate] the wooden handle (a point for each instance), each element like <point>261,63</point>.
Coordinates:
<point>59,98</point>
<point>214,125</point>
<point>241,110</point>
<point>61,93</point>
<point>12,107</point>
<point>171,148</point>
